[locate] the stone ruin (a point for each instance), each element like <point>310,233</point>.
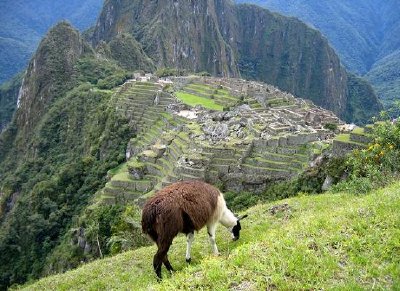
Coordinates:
<point>263,135</point>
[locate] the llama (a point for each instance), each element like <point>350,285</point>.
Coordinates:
<point>184,207</point>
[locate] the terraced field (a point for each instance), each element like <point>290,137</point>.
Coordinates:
<point>245,136</point>
<point>213,97</point>
<point>358,138</point>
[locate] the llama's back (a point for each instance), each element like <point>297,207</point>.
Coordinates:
<point>195,199</point>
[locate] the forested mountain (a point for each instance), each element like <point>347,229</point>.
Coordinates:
<point>24,23</point>
<point>75,125</point>
<point>364,33</point>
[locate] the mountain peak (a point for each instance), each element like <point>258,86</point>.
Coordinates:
<point>49,73</point>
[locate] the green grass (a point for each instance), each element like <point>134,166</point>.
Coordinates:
<point>359,130</point>
<point>330,241</point>
<point>193,100</point>
<point>346,138</point>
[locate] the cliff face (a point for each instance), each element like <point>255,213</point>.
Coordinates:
<point>363,32</point>
<point>8,100</point>
<point>287,53</point>
<point>50,73</point>
<point>186,34</point>
<point>233,40</point>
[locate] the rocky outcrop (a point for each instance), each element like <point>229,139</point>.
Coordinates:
<point>235,40</point>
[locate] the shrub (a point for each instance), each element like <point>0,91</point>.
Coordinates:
<point>376,165</point>
<point>331,126</point>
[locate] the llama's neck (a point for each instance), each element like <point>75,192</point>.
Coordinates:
<point>228,219</point>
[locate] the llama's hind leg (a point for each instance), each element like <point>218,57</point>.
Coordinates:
<point>157,263</point>
<point>167,264</point>
<point>161,257</point>
<point>189,239</point>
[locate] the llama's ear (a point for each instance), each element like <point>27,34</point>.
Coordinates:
<point>243,216</point>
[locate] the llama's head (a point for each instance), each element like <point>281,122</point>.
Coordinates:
<point>236,229</point>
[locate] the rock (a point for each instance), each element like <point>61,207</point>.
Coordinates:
<point>327,183</point>
<point>284,209</point>
<point>159,149</point>
<point>217,131</point>
<point>137,173</point>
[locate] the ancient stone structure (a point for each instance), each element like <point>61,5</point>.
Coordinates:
<point>262,135</point>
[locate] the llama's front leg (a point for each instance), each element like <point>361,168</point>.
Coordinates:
<point>189,239</point>
<point>211,233</point>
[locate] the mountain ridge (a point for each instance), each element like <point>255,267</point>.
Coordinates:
<point>235,48</point>
<point>363,33</point>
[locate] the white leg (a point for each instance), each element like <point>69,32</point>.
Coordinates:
<point>211,233</point>
<point>189,240</point>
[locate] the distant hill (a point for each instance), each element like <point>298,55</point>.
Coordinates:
<point>385,75</point>
<point>24,23</point>
<point>365,33</point>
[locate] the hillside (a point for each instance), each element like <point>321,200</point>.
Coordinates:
<point>363,33</point>
<point>328,241</point>
<point>238,41</point>
<point>56,152</point>
<point>385,76</point>
<point>8,99</point>
<point>24,23</point>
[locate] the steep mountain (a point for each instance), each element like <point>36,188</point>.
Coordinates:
<point>55,153</point>
<point>364,34</point>
<point>385,75</point>
<point>229,40</point>
<point>50,72</point>
<point>24,23</point>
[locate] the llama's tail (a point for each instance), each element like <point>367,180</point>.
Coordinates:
<point>149,215</point>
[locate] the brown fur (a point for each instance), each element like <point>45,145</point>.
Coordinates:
<point>181,207</point>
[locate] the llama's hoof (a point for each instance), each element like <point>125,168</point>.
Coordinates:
<point>188,260</point>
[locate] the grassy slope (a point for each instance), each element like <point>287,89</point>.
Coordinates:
<point>194,100</point>
<point>338,241</point>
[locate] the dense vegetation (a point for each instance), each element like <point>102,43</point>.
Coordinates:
<point>364,33</point>
<point>385,75</point>
<point>63,159</point>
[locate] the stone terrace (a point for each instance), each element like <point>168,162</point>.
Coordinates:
<point>262,135</point>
